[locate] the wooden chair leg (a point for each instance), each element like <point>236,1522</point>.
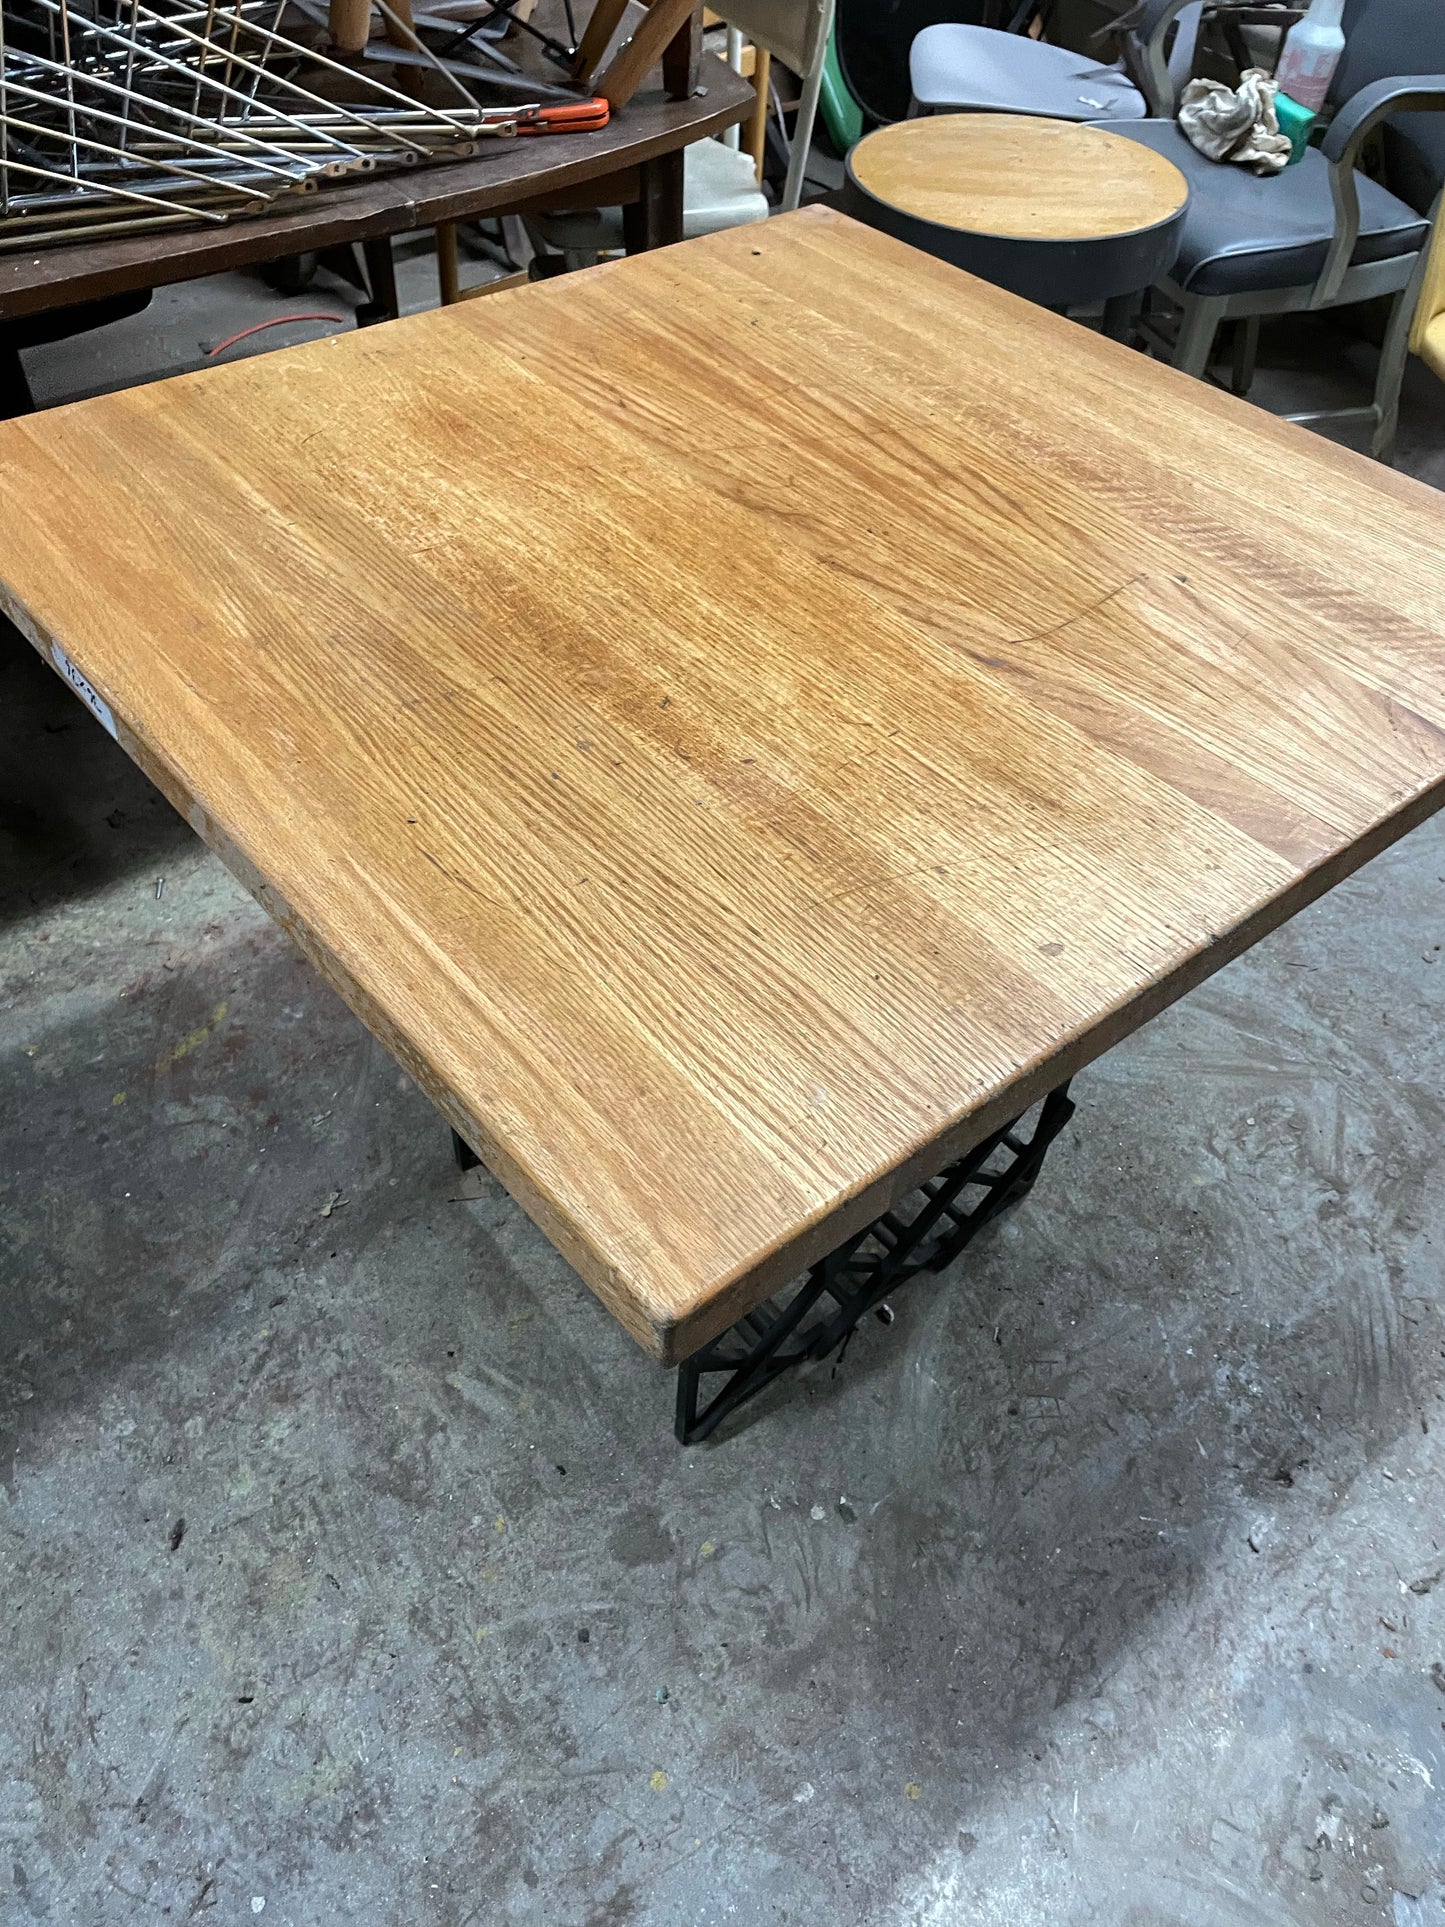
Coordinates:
<point>682,57</point>
<point>349,22</point>
<point>605,20</point>
<point>654,34</point>
<point>756,135</point>
<point>448,267</point>
<point>396,17</point>
<point>381,273</point>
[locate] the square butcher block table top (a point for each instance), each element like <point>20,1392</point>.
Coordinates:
<point>742,722</point>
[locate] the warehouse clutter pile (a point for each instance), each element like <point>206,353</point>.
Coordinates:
<point>126,115</point>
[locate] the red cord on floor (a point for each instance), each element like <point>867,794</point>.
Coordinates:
<point>279,321</point>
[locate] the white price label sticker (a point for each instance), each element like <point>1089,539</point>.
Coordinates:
<point>100,710</point>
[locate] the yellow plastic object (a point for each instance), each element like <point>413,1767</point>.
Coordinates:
<point>1427,333</point>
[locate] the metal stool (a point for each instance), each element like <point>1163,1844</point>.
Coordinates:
<point>1059,212</point>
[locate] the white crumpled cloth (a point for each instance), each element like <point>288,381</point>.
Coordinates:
<point>1236,124</point>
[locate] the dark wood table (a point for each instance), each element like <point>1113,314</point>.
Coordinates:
<point>636,161</point>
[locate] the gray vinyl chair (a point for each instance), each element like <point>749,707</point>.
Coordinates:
<point>1319,235</point>
<point>1385,37</point>
<point>962,69</point>
<point>1322,234</point>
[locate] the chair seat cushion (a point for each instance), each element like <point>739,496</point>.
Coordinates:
<point>982,69</point>
<point>1244,232</point>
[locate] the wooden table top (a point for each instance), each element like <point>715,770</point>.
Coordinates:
<point>504,176</point>
<point>1019,176</point>
<point>742,722</point>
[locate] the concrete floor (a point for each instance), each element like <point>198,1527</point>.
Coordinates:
<point>351,1574</point>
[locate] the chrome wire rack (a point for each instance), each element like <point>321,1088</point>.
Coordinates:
<point>119,116</point>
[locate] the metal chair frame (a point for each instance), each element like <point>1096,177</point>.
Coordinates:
<point>1341,281</point>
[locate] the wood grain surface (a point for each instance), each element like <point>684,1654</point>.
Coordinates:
<point>742,722</point>
<point>1020,176</point>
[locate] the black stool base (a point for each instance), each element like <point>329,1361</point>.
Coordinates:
<point>1053,274</point>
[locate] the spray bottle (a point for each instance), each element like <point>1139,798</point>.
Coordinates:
<point>1311,52</point>
<point>1307,63</point>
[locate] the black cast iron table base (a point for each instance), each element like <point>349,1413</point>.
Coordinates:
<point>924,1232</point>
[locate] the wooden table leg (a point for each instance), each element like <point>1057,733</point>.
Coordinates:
<point>381,272</point>
<point>448,266</point>
<point>654,219</point>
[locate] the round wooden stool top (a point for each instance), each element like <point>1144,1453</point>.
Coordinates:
<point>1057,210</point>
<point>1019,176</point>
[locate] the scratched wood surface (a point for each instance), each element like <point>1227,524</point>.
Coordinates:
<point>741,722</point>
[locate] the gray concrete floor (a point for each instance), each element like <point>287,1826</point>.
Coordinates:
<point>349,1572</point>
<point>184,324</point>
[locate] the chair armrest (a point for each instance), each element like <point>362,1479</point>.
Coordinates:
<point>1363,112</point>
<point>1360,115</point>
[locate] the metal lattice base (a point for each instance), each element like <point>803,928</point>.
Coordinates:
<point>951,1211</point>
